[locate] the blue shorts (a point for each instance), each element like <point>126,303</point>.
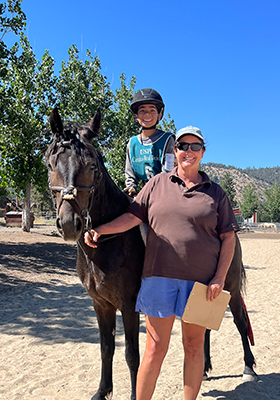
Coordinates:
<point>163,297</point>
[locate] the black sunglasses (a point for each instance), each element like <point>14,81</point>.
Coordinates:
<point>184,146</point>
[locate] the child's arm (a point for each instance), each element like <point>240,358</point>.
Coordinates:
<point>131,179</point>
<point>168,155</point>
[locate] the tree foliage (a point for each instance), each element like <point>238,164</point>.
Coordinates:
<point>227,184</point>
<point>28,89</point>
<point>250,201</point>
<point>123,127</point>
<point>81,89</point>
<point>272,204</point>
<point>12,19</point>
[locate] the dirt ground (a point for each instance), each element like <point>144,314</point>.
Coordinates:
<point>49,342</point>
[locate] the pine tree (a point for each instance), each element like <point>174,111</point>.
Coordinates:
<point>250,201</point>
<point>227,184</point>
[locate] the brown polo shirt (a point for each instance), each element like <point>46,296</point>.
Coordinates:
<point>184,226</point>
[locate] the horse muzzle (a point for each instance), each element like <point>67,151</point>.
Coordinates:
<point>69,224</point>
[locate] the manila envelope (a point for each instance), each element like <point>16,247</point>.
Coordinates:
<point>205,313</point>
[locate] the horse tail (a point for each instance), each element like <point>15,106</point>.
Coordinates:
<point>243,279</point>
<point>243,290</point>
<point>249,326</point>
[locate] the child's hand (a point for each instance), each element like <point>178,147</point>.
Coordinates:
<point>130,191</point>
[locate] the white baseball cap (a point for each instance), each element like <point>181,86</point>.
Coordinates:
<point>189,130</point>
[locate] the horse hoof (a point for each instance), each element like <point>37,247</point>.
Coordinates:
<point>249,375</point>
<point>205,376</point>
<point>249,378</point>
<point>99,396</point>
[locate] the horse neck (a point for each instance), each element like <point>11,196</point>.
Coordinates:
<point>108,201</point>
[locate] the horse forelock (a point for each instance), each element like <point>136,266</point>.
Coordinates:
<point>72,137</point>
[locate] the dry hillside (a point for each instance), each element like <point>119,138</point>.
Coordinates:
<point>240,179</point>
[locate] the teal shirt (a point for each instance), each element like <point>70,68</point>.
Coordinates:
<point>146,160</point>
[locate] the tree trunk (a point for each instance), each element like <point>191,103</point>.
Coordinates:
<point>26,209</point>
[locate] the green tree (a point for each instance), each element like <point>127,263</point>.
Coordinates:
<point>227,184</point>
<point>82,88</point>
<point>29,87</point>
<point>42,199</point>
<point>262,213</point>
<point>168,124</point>
<point>250,201</point>
<point>123,127</point>
<point>272,204</point>
<point>12,19</point>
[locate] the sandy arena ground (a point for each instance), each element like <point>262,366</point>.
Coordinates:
<point>49,341</point>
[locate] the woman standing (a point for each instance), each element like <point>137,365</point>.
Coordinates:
<point>190,238</point>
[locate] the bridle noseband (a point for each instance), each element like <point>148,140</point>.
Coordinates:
<point>70,193</point>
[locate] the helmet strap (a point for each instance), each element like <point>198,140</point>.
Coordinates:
<point>149,129</point>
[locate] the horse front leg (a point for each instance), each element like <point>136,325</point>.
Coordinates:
<point>131,328</point>
<point>241,323</point>
<point>106,317</point>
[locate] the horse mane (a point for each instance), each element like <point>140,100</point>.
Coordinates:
<point>70,137</point>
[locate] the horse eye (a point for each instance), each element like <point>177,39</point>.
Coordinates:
<point>50,167</point>
<point>93,167</point>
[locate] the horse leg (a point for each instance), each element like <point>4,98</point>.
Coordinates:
<point>131,328</point>
<point>207,357</point>
<point>106,317</point>
<point>241,323</point>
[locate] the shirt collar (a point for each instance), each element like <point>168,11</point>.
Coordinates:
<point>174,177</point>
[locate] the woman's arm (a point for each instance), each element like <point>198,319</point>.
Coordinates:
<point>121,224</point>
<point>216,285</point>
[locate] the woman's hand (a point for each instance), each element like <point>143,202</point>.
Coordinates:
<point>91,238</point>
<point>120,224</point>
<point>214,288</point>
<point>216,285</point>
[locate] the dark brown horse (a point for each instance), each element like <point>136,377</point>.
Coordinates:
<point>86,196</point>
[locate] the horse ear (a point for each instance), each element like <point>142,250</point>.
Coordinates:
<point>95,124</point>
<point>55,122</point>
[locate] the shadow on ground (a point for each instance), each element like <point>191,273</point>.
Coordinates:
<point>267,387</point>
<point>40,294</point>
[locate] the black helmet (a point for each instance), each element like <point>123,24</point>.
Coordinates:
<point>147,96</point>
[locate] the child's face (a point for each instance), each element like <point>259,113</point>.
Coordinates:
<point>147,115</point>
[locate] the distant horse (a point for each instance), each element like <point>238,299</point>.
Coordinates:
<point>86,196</point>
<point>268,225</point>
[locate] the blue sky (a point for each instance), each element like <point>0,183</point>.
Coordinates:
<point>216,63</point>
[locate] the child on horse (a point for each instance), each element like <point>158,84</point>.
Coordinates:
<point>150,152</point>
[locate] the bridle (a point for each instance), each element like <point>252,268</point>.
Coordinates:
<point>70,192</point>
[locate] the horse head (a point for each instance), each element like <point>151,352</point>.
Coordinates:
<point>74,173</point>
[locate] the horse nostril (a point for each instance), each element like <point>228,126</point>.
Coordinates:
<point>58,224</point>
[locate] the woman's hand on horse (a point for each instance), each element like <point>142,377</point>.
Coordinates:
<point>91,238</point>
<point>214,288</point>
